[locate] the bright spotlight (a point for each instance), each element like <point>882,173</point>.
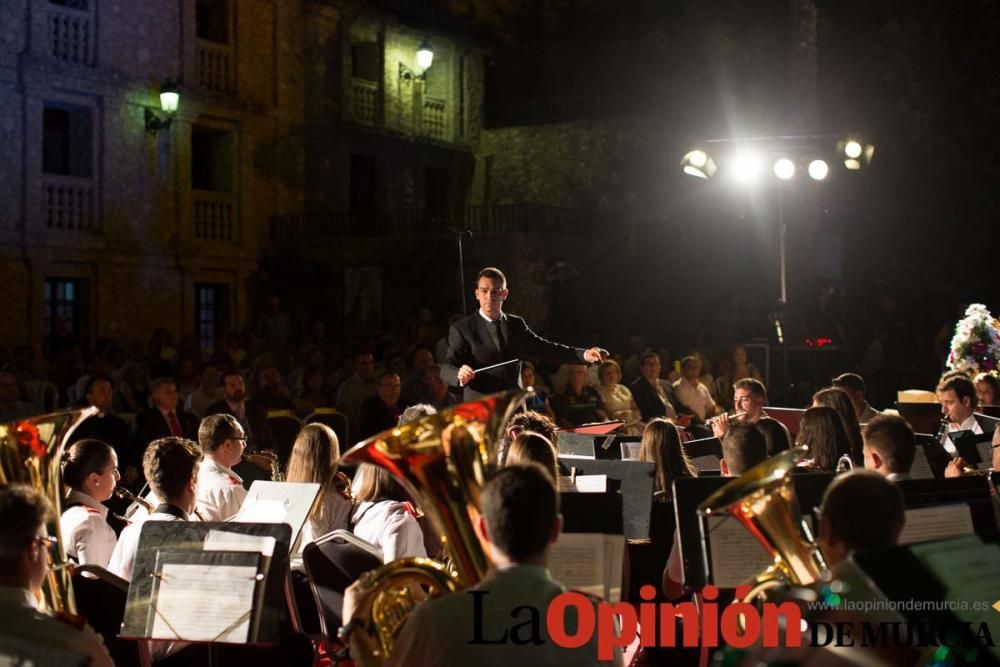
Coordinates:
<point>852,149</point>
<point>818,170</point>
<point>747,167</point>
<point>852,164</point>
<point>699,164</point>
<point>784,169</point>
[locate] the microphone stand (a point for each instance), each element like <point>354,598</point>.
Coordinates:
<point>459,235</point>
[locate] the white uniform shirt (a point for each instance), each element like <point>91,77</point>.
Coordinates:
<point>391,527</point>
<point>42,639</point>
<point>86,534</point>
<point>123,557</point>
<point>220,491</point>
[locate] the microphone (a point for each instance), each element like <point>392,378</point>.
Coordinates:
<point>458,231</point>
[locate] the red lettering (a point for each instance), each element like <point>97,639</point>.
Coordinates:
<point>772,625</point>
<point>607,638</point>
<point>731,621</point>
<point>555,620</point>
<point>647,616</point>
<point>668,624</point>
<point>710,616</point>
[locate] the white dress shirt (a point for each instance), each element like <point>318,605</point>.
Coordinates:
<point>86,534</point>
<point>220,491</point>
<point>391,527</point>
<point>123,557</point>
<point>970,424</point>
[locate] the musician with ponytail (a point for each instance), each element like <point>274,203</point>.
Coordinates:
<point>90,473</point>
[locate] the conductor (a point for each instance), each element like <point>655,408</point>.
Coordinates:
<point>491,337</point>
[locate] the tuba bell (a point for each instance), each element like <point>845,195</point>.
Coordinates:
<point>764,501</point>
<point>441,460</point>
<point>31,453</point>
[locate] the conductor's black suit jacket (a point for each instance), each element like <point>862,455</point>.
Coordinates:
<point>471,343</point>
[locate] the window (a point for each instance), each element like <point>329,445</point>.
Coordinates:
<point>66,140</point>
<point>66,302</point>
<point>211,316</point>
<point>364,61</point>
<point>212,20</point>
<point>211,159</point>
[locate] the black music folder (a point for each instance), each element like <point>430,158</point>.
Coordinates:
<point>633,480</point>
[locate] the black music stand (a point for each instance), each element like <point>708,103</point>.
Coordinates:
<point>633,480</point>
<point>972,491</point>
<point>923,417</point>
<point>162,541</point>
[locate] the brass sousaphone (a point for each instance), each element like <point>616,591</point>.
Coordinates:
<point>441,460</point>
<point>31,453</point>
<point>763,500</point>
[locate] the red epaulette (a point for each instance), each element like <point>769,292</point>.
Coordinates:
<point>411,510</point>
<point>92,510</point>
<point>233,482</point>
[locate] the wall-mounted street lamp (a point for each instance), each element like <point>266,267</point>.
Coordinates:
<point>170,97</point>
<point>425,58</point>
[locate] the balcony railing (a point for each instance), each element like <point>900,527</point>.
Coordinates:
<point>213,216</point>
<point>215,66</point>
<point>69,204</point>
<point>434,121</point>
<point>71,37</point>
<point>535,218</point>
<point>364,101</point>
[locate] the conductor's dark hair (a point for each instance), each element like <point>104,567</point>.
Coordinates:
<point>493,273</point>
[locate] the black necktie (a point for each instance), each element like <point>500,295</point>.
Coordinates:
<point>501,344</point>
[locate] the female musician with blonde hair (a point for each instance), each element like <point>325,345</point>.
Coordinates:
<point>314,458</point>
<point>90,472</point>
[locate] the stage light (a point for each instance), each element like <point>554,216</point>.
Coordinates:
<point>746,167</point>
<point>852,164</point>
<point>818,170</point>
<point>699,164</point>
<point>852,149</point>
<point>784,169</point>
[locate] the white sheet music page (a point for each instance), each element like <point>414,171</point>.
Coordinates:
<point>221,540</point>
<point>706,462</point>
<point>584,484</point>
<point>736,554</point>
<point>936,523</point>
<point>204,602</point>
<point>921,469</point>
<point>577,562</point>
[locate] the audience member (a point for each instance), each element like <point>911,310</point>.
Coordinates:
<point>251,417</point>
<point>314,394</point>
<point>355,390</point>
<point>653,396</point>
<point>439,395</point>
<point>27,633</point>
<point>691,393</point>
<point>12,407</point>
<point>272,392</point>
<point>108,427</point>
<point>164,419</point>
<point>206,393</point>
<point>381,411</point>
<point>987,389</point>
<point>617,399</point>
<point>739,368</point>
<point>90,472</point>
<point>539,402</point>
<point>416,386</point>
<point>577,403</point>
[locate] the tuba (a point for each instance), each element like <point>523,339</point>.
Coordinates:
<point>764,501</point>
<point>441,460</point>
<point>31,453</point>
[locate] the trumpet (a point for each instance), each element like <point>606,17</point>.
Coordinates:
<point>125,494</point>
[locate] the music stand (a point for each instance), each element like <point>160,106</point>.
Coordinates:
<point>922,417</point>
<point>962,504</point>
<point>184,543</point>
<point>632,479</point>
<point>705,453</point>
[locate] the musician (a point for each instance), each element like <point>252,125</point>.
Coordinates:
<point>314,459</point>
<point>661,444</point>
<point>27,633</point>
<point>854,385</point>
<point>171,467</point>
<point>520,521</point>
<point>890,447</point>
<point>492,336</point>
<point>534,447</point>
<point>529,420</point>
<point>861,511</point>
<point>578,403</point>
<point>957,396</point>
<point>653,395</point>
<point>90,471</point>
<point>220,490</point>
<point>822,431</point>
<point>384,515</point>
<point>838,399</point>
<point>750,397</point>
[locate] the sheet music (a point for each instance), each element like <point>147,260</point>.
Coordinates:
<point>590,562</point>
<point>706,462</point>
<point>279,502</point>
<point>921,469</point>
<point>221,540</point>
<point>577,561</point>
<point>204,602</point>
<point>584,484</point>
<point>936,523</point>
<point>985,449</point>
<point>736,554</point>
<point>630,451</point>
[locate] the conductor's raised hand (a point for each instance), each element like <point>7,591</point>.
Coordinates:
<point>465,375</point>
<point>595,355</point>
